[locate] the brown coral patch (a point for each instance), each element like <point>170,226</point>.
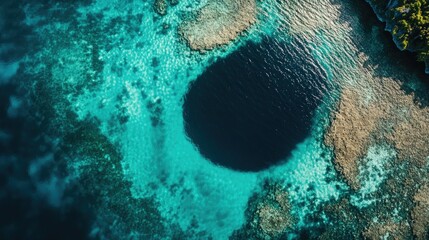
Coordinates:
<point>377,111</point>
<point>268,215</point>
<point>218,23</point>
<point>420,213</point>
<point>160,7</point>
<point>274,216</point>
<point>350,132</point>
<point>389,230</point>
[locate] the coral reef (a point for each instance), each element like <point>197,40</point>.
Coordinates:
<point>420,213</point>
<point>274,216</point>
<point>397,230</point>
<point>368,114</point>
<point>372,112</point>
<point>218,23</point>
<point>160,7</point>
<point>380,221</point>
<point>360,120</point>
<point>268,215</point>
<point>400,214</point>
<point>345,220</point>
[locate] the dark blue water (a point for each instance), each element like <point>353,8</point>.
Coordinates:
<point>249,110</point>
<point>28,204</point>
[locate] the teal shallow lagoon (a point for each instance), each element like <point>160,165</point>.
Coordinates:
<point>125,66</point>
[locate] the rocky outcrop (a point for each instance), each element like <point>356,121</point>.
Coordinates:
<point>408,24</point>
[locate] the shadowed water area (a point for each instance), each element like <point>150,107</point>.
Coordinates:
<point>249,110</point>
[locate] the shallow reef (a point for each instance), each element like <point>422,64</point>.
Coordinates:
<point>218,23</point>
<point>379,111</point>
<point>367,115</point>
<point>161,6</point>
<point>420,213</point>
<point>268,215</point>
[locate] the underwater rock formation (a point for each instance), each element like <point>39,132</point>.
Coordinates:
<point>218,23</point>
<point>160,7</point>
<point>274,216</point>
<point>420,213</point>
<point>268,215</point>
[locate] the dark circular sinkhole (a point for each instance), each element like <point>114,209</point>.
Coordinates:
<point>249,110</point>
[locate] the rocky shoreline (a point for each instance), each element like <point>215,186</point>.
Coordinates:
<point>400,29</point>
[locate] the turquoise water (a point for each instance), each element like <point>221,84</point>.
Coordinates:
<point>122,64</point>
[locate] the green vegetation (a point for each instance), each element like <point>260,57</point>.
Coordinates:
<point>408,21</point>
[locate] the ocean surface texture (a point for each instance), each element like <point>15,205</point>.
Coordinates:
<point>212,119</point>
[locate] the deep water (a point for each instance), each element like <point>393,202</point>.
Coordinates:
<point>36,199</point>
<point>249,110</point>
